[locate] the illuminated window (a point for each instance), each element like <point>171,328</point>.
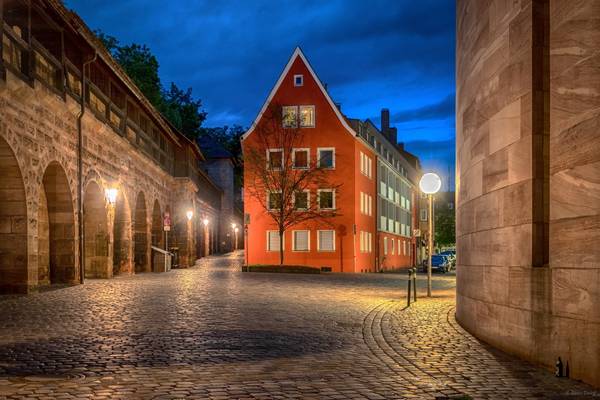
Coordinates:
<point>307,116</point>
<point>290,116</point>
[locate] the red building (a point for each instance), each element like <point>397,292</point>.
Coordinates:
<point>347,241</point>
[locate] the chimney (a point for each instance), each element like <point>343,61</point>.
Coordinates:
<point>385,120</point>
<point>393,135</point>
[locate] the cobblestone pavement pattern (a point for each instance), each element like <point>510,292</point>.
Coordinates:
<point>214,332</point>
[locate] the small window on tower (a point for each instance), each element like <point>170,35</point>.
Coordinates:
<point>298,80</point>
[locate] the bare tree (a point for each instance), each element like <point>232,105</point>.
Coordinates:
<point>279,174</point>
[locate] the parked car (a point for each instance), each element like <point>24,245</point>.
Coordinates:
<point>438,263</point>
<point>451,254</point>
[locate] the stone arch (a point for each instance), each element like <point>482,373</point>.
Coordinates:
<point>157,225</point>
<point>56,228</point>
<point>140,232</point>
<point>95,231</point>
<point>13,223</point>
<point>122,240</point>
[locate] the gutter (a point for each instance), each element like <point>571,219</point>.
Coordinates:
<point>80,170</point>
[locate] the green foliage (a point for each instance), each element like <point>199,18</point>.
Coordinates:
<point>177,105</point>
<point>445,235</point>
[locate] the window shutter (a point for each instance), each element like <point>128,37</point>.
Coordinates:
<point>326,240</point>
<point>273,241</point>
<point>301,240</point>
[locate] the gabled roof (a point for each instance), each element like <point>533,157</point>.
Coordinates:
<point>298,53</point>
<point>212,148</point>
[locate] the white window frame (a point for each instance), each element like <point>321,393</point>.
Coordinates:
<point>314,113</point>
<point>319,150</point>
<point>301,80</point>
<point>319,198</point>
<point>269,200</point>
<point>307,149</point>
<point>370,242</point>
<point>294,240</point>
<point>385,245</point>
<point>307,191</point>
<point>268,242</point>
<point>362,241</point>
<point>319,240</point>
<point>275,150</point>
<point>423,214</point>
<point>283,109</point>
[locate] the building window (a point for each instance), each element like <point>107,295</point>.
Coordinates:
<point>290,116</point>
<point>275,158</point>
<point>393,243</point>
<point>274,200</point>
<point>326,240</point>
<point>298,80</point>
<point>301,158</point>
<point>385,246</point>
<point>301,200</point>
<point>300,240</point>
<point>326,158</point>
<point>273,241</point>
<point>326,199</point>
<point>307,116</point>
<point>423,215</point>
<point>370,205</point>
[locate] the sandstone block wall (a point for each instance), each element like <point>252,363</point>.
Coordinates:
<point>528,178</point>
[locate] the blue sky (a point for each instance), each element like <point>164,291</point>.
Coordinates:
<point>372,54</point>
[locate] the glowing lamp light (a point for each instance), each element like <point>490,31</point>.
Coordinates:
<point>233,225</point>
<point>189,214</point>
<point>111,195</point>
<point>205,221</point>
<point>236,230</point>
<point>430,183</point>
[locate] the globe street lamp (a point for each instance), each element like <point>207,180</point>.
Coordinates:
<point>430,184</point>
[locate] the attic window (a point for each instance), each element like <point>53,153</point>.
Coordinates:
<point>298,80</point>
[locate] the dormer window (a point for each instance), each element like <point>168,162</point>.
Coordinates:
<point>298,80</point>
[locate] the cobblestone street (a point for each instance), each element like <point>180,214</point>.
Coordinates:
<point>214,332</point>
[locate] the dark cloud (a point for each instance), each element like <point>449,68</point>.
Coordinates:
<point>397,54</point>
<point>440,110</point>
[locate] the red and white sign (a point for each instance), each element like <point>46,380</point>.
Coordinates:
<point>167,221</point>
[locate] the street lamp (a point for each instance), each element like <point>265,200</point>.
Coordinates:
<point>189,214</point>
<point>234,236</point>
<point>205,221</point>
<point>430,184</point>
<point>111,195</point>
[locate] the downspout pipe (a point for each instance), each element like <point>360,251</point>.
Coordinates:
<point>80,169</point>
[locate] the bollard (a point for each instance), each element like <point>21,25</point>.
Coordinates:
<point>414,276</point>
<point>409,286</point>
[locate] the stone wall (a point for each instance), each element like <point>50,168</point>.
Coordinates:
<point>38,141</point>
<point>528,178</point>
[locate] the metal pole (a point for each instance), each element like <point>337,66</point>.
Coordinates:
<point>430,245</point>
<point>414,275</point>
<point>409,287</point>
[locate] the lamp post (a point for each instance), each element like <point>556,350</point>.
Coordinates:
<point>430,184</point>
<point>236,230</point>
<point>233,237</point>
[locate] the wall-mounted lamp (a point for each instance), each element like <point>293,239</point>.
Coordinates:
<point>111,195</point>
<point>233,225</point>
<point>189,214</point>
<point>205,221</point>
<point>236,230</point>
